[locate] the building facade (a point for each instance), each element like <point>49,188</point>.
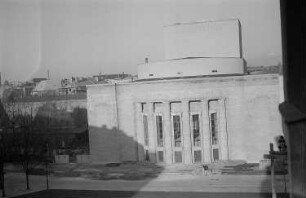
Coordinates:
<point>190,120</point>
<point>198,106</point>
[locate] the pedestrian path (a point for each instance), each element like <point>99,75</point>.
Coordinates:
<point>15,184</point>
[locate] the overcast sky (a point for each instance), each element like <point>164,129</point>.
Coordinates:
<point>85,37</point>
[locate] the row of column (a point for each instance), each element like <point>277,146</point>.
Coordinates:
<point>185,132</point>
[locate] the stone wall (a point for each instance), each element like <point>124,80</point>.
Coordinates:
<point>104,139</point>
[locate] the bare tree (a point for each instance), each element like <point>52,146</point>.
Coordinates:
<point>27,142</point>
<point>3,145</point>
<point>2,159</point>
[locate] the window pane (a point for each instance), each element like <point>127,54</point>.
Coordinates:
<point>216,154</point>
<point>145,129</point>
<point>159,128</point>
<point>147,155</point>
<point>160,156</point>
<point>178,157</point>
<point>214,128</point>
<point>177,131</point>
<point>197,156</point>
<point>196,130</point>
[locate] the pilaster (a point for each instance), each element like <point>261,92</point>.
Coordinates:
<point>139,131</point>
<point>206,133</point>
<point>168,136</point>
<point>186,134</point>
<point>152,139</point>
<point>223,130</point>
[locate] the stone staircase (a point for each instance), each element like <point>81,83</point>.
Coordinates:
<point>181,169</point>
<point>243,169</point>
<point>220,167</point>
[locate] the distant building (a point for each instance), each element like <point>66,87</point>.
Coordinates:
<point>75,85</point>
<point>198,106</point>
<point>120,80</point>
<point>47,87</point>
<point>37,80</point>
<point>28,88</point>
<point>80,86</point>
<point>103,77</point>
<point>68,86</point>
<point>20,90</point>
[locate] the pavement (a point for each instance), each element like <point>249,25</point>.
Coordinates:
<point>164,183</point>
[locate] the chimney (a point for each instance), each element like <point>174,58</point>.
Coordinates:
<point>0,80</point>
<point>146,60</point>
<point>48,74</point>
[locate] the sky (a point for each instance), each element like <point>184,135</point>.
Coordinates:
<point>86,37</point>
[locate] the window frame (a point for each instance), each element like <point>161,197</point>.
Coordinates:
<point>146,138</point>
<point>181,130</point>
<point>199,130</point>
<point>216,127</point>
<point>157,132</point>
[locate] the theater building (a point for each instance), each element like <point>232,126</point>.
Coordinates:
<point>197,106</point>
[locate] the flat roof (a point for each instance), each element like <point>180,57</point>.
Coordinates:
<point>202,21</point>
<point>188,58</point>
<point>221,77</point>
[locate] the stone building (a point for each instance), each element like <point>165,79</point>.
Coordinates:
<point>188,109</point>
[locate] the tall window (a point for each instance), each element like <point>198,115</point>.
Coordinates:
<point>177,131</point>
<point>159,128</point>
<point>196,130</point>
<point>145,130</point>
<point>214,128</point>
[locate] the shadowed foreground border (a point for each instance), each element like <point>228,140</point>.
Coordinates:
<point>142,194</point>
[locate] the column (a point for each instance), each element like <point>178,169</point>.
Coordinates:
<point>223,130</point>
<point>206,136</point>
<point>186,134</point>
<point>152,140</point>
<point>139,131</point>
<point>168,133</point>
